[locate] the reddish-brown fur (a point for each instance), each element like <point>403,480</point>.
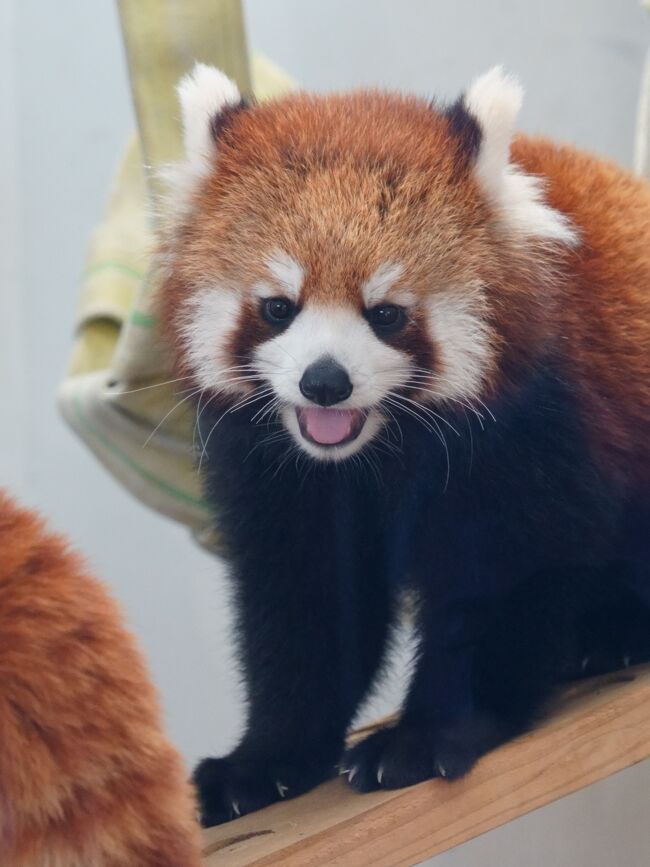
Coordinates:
<point>603,312</point>
<point>87,777</point>
<point>346,183</point>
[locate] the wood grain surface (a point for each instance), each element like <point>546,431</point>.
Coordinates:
<point>591,731</point>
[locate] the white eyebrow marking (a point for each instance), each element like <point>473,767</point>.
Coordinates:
<point>287,272</point>
<point>376,288</point>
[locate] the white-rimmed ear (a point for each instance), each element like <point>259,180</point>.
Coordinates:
<point>494,100</point>
<point>203,94</point>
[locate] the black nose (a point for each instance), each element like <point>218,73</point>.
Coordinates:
<point>325,382</point>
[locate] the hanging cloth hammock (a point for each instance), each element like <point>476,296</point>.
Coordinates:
<point>118,394</point>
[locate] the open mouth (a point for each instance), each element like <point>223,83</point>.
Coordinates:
<point>330,427</point>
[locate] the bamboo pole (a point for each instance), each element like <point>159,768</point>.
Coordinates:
<point>163,39</point>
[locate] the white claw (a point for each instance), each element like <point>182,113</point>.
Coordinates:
<point>584,663</point>
<point>380,774</point>
<point>343,771</point>
<point>627,660</point>
<point>442,770</point>
<point>282,789</point>
<point>352,774</point>
<point>235,808</point>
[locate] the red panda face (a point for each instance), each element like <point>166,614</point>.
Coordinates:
<point>332,257</point>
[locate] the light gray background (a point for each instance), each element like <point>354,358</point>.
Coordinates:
<point>65,115</point>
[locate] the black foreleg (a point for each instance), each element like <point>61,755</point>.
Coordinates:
<point>313,617</point>
<point>482,673</point>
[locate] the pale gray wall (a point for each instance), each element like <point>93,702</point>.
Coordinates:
<point>11,362</point>
<point>66,113</point>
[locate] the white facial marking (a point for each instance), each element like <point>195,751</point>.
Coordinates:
<point>494,100</point>
<point>378,287</point>
<point>287,274</point>
<point>373,366</point>
<point>211,316</point>
<point>463,341</point>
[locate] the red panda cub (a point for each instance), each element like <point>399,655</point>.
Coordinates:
<point>422,345</point>
<point>87,776</point>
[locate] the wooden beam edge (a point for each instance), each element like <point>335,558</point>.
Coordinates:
<point>597,729</point>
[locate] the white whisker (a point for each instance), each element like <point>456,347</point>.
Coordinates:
<point>147,387</point>
<point>396,400</point>
<point>245,401</point>
<point>167,414</point>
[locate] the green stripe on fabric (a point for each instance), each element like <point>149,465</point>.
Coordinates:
<point>142,320</point>
<point>161,484</point>
<point>110,265</point>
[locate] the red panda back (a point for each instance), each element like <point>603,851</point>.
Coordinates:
<point>87,777</point>
<point>603,319</point>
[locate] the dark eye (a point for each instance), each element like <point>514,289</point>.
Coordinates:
<point>277,311</point>
<point>386,317</point>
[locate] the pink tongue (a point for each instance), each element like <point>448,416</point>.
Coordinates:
<point>328,426</point>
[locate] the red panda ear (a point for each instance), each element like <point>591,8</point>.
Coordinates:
<point>208,100</point>
<point>493,100</point>
<point>221,122</point>
<point>466,132</point>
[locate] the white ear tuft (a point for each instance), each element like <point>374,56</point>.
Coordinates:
<point>494,100</point>
<point>203,94</point>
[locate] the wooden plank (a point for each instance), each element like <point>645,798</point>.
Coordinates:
<point>591,731</point>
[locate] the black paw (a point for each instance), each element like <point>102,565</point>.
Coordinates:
<point>409,753</point>
<point>235,785</point>
<point>597,661</point>
<point>600,662</point>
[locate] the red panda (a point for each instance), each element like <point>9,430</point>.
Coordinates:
<point>87,777</point>
<point>422,344</point>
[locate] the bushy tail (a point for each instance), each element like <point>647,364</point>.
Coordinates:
<point>87,777</point>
